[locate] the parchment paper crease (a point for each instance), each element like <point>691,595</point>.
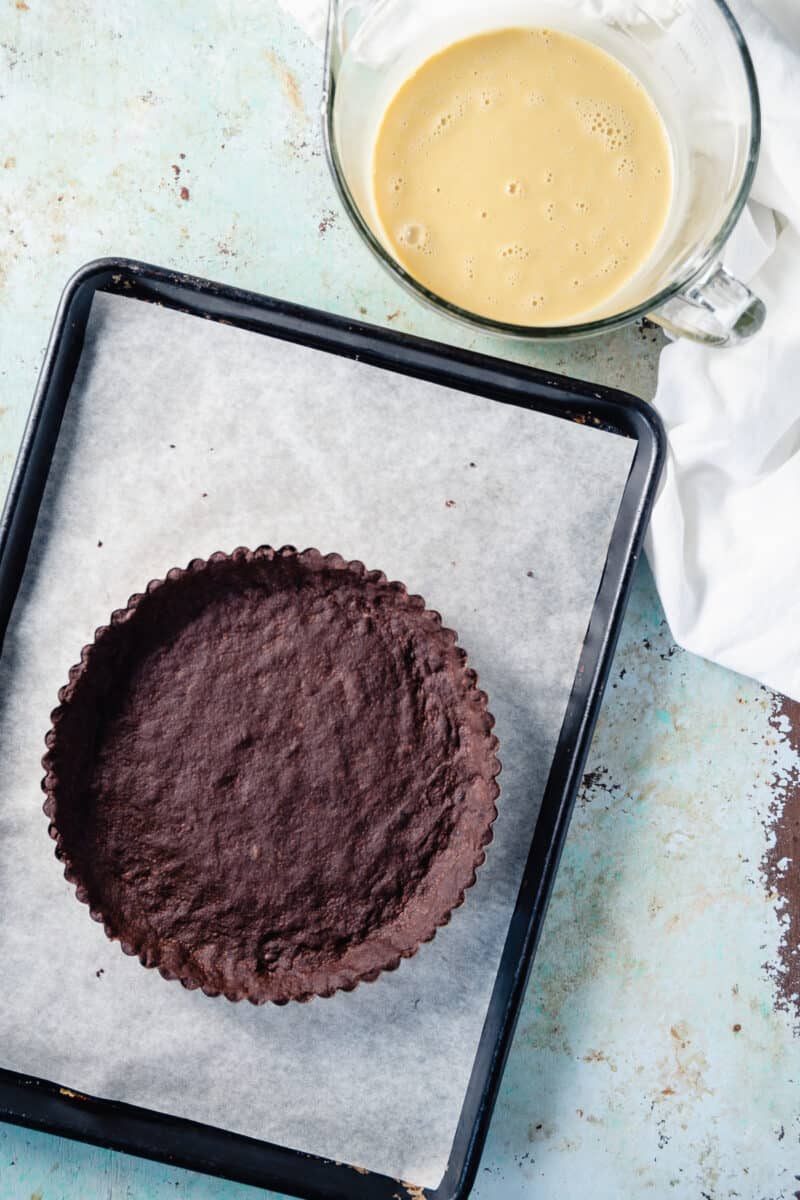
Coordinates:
<point>183,437</point>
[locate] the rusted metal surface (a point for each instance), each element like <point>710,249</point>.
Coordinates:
<point>657,1053</point>
<point>782,860</point>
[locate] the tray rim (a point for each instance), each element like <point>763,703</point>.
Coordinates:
<point>54,1108</point>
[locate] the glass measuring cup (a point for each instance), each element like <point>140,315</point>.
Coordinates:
<point>692,59</point>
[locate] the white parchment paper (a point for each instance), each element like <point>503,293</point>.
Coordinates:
<point>182,437</point>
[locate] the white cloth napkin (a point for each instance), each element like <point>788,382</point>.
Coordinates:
<point>724,543</point>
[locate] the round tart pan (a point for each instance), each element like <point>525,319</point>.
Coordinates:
<point>272,775</point>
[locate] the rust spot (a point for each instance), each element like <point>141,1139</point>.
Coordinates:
<point>599,780</point>
<point>10,162</point>
<point>361,1170</point>
<point>184,193</point>
<point>72,1095</point>
<point>176,170</point>
<point>449,503</point>
<point>327,221</point>
<point>687,1067</point>
<point>392,316</point>
<point>737,1028</point>
<point>181,156</point>
<point>780,864</point>
<point>23,7</point>
<point>289,82</point>
<point>599,1056</point>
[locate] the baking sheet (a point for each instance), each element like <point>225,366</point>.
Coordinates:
<point>182,437</point>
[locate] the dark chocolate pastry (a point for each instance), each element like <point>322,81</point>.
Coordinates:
<point>272,775</point>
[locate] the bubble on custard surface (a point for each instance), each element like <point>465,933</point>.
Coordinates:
<point>414,235</point>
<point>513,188</point>
<point>548,175</point>
<point>536,99</point>
<point>489,96</point>
<point>606,121</point>
<point>608,266</point>
<point>581,207</point>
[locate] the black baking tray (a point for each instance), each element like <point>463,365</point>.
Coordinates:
<point>57,1108</point>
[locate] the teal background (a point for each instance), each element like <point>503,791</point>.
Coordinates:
<point>654,1055</point>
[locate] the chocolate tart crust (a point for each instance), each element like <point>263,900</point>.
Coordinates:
<point>272,775</point>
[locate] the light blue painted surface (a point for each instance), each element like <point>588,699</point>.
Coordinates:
<point>626,1078</point>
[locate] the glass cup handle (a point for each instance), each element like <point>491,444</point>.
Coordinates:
<point>717,310</point>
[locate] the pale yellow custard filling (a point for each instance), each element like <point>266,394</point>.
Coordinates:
<point>523,175</point>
